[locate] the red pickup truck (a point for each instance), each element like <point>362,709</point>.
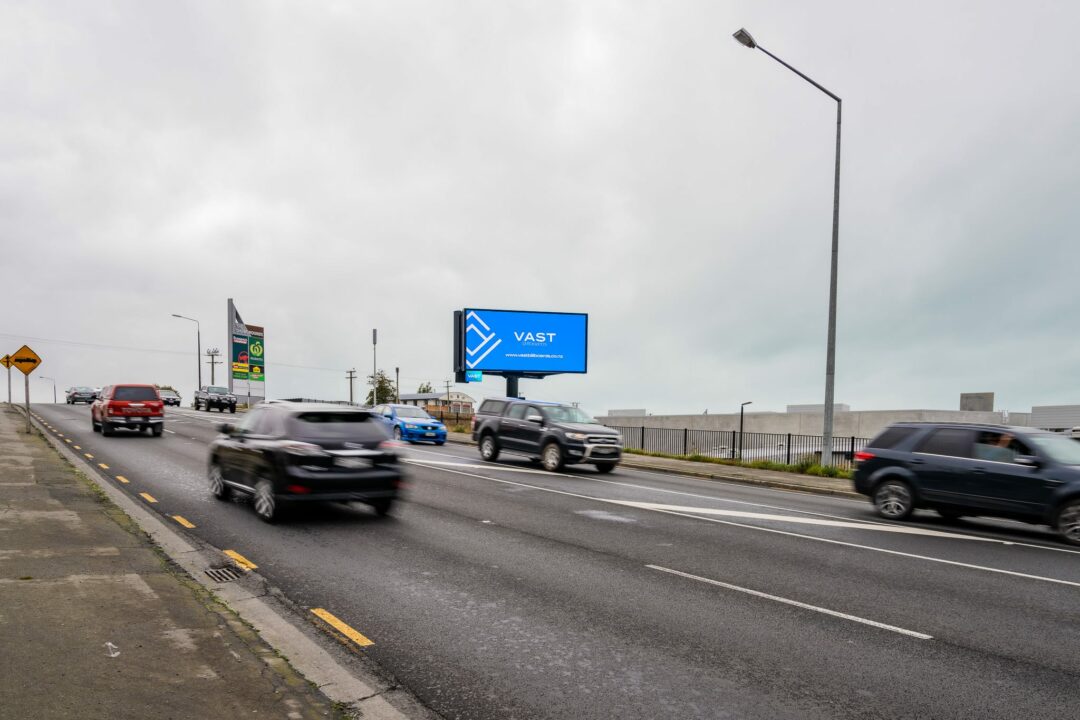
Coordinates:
<point>138,407</point>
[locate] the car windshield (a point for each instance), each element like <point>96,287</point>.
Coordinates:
<point>412,412</point>
<point>1058,447</point>
<point>170,393</point>
<point>217,390</point>
<point>135,393</point>
<point>331,425</point>
<point>562,413</point>
<point>82,389</point>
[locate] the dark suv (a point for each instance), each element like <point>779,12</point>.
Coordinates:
<point>552,433</point>
<point>991,470</point>
<point>285,452</point>
<point>214,396</point>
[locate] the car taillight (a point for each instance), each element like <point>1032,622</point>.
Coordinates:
<point>297,489</point>
<point>863,456</point>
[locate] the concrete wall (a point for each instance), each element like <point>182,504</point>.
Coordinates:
<point>864,424</point>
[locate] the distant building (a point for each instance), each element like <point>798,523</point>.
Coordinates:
<point>819,408</point>
<point>1055,417</point>
<point>457,402</point>
<point>977,402</point>
<point>636,412</point>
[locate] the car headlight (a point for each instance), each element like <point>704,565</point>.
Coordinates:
<point>576,436</point>
<point>410,426</point>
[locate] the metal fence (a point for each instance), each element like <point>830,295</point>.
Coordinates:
<point>786,448</point>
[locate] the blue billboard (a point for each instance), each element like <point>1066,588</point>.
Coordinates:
<point>513,341</point>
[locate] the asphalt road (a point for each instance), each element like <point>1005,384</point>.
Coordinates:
<point>500,591</point>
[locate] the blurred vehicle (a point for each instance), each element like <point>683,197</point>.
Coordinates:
<point>81,394</point>
<point>977,470</point>
<point>136,407</point>
<point>411,423</point>
<point>214,396</point>
<point>170,397</point>
<point>283,452</point>
<point>552,433</point>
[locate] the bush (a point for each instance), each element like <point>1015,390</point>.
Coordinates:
<point>807,465</point>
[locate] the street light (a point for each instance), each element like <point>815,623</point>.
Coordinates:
<point>198,345</point>
<point>747,39</point>
<point>741,409</point>
<point>43,377</point>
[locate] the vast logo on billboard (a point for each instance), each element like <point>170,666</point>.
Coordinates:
<point>473,325</point>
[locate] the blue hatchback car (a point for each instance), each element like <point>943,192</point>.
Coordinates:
<point>411,423</point>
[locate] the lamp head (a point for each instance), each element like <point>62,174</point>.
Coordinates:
<point>745,38</point>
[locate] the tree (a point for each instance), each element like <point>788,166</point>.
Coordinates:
<point>386,389</point>
<point>426,387</point>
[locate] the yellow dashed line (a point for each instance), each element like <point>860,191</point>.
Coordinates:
<point>122,479</point>
<point>103,466</point>
<point>89,455</point>
<point>147,497</point>
<point>183,521</point>
<point>78,448</point>
<point>241,560</point>
<point>341,627</point>
<point>67,439</point>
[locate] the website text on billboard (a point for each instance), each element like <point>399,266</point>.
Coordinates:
<point>513,341</point>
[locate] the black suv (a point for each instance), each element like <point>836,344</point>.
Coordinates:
<point>284,452</point>
<point>214,396</point>
<point>957,469</point>
<point>552,433</point>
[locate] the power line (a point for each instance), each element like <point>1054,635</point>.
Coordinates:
<point>100,346</point>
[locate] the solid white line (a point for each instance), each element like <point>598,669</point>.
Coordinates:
<point>796,603</point>
<point>767,530</point>
<point>171,432</point>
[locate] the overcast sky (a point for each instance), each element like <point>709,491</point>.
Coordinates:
<point>338,166</point>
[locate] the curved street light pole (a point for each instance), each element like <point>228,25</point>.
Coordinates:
<point>830,354</point>
<point>198,346</point>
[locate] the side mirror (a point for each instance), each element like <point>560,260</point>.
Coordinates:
<point>1028,461</point>
<point>225,428</point>
<point>538,419</point>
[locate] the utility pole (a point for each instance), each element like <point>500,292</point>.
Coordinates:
<point>213,354</point>
<point>374,366</point>
<point>350,375</point>
<point>397,384</point>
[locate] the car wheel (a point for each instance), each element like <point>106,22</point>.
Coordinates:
<point>605,468</point>
<point>158,430</point>
<point>232,409</point>
<point>106,429</point>
<point>94,425</point>
<point>489,450</point>
<point>397,434</point>
<point>440,442</point>
<point>1068,522</point>
<point>218,488</point>
<point>552,458</point>
<point>265,502</point>
<point>893,500</point>
<point>382,506</point>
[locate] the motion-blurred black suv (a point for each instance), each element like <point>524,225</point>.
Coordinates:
<point>989,470</point>
<point>285,452</point>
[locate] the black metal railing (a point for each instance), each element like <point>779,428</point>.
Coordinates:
<point>786,448</point>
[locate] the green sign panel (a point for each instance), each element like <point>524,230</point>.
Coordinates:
<point>256,354</point>
<point>241,361</point>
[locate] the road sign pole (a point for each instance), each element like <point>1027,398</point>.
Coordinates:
<point>27,398</point>
<point>9,386</point>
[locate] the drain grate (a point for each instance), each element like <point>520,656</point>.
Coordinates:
<point>223,574</point>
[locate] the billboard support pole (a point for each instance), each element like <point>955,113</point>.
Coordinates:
<point>512,385</point>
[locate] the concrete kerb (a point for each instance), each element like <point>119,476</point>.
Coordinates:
<point>629,461</point>
<point>256,605</point>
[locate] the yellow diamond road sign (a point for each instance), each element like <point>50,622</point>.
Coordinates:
<point>25,359</point>
<point>6,361</point>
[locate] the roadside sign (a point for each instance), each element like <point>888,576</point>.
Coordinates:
<point>25,359</point>
<point>6,361</point>
<point>472,376</point>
